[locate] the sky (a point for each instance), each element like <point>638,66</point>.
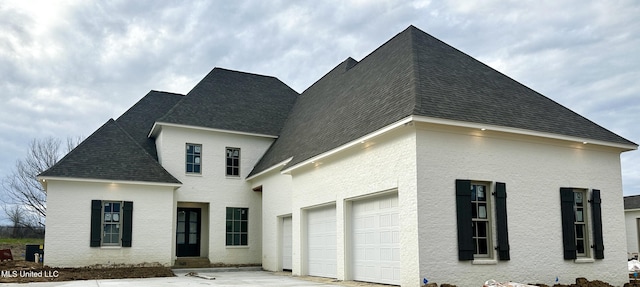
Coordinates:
<point>66,67</point>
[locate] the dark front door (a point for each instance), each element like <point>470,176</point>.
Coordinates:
<point>188,232</point>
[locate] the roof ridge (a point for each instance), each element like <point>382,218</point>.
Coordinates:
<point>415,68</point>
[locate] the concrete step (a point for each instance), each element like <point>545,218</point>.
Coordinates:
<point>192,262</point>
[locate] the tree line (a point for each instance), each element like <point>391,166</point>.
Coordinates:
<point>24,200</point>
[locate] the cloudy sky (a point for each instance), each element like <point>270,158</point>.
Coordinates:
<point>66,67</point>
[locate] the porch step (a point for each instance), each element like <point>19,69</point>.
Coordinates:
<point>192,262</point>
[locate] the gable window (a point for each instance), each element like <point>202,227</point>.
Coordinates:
<point>476,222</point>
<point>233,161</point>
<point>111,223</point>
<point>576,227</point>
<point>193,158</point>
<point>237,226</point>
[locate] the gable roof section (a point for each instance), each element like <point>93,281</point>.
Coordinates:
<point>110,154</point>
<point>415,74</point>
<point>632,202</point>
<point>352,100</point>
<point>452,85</point>
<point>138,120</point>
<point>235,101</point>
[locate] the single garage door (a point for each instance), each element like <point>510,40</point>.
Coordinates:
<point>287,239</point>
<point>321,241</point>
<point>376,240</point>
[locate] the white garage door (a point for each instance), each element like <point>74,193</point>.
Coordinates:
<point>321,241</point>
<point>376,240</point>
<point>287,239</point>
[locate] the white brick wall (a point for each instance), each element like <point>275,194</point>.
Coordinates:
<point>69,221</point>
<point>386,163</point>
<point>423,167</point>
<point>276,197</point>
<point>214,188</point>
<point>533,170</point>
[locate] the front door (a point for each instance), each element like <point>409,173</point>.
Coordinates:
<point>188,232</point>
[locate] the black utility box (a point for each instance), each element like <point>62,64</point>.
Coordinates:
<point>31,250</point>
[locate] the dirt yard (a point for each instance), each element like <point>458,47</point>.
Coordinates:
<point>24,271</point>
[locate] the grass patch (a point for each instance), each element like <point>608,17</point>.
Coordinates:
<point>21,241</point>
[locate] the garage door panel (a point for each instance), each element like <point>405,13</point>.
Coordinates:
<point>287,243</point>
<point>376,240</point>
<point>321,242</point>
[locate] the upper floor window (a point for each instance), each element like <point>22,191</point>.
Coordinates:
<point>193,158</point>
<point>233,161</point>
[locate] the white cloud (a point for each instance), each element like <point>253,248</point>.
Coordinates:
<point>65,61</point>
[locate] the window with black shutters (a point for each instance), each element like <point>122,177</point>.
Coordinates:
<point>576,209</point>
<point>479,231</point>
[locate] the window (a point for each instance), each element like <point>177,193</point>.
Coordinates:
<point>581,239</point>
<point>111,223</point>
<point>576,210</point>
<point>237,226</point>
<point>480,218</point>
<point>194,158</point>
<point>233,161</point>
<point>476,222</point>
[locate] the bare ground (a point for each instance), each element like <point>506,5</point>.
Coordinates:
<point>23,271</point>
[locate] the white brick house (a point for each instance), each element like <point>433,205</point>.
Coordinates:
<point>417,161</point>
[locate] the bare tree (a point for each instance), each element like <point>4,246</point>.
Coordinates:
<point>21,186</point>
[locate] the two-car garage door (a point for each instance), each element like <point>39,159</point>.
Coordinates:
<point>375,240</point>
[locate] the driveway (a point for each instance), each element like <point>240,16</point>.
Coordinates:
<point>207,277</point>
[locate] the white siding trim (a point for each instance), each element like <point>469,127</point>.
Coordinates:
<point>158,125</point>
<point>359,140</point>
<point>282,163</point>
<point>43,180</point>
<point>423,119</point>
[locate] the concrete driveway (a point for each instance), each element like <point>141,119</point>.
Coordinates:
<point>203,277</point>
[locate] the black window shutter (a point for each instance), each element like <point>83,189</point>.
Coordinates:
<point>127,230</point>
<point>96,222</point>
<point>464,208</point>
<point>568,228</point>
<point>501,221</point>
<point>598,244</point>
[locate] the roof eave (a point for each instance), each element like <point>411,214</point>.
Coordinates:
<point>585,140</point>
<point>280,164</point>
<point>359,140</point>
<point>44,179</point>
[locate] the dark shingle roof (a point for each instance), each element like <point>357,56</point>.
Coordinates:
<point>110,154</point>
<point>455,86</point>
<point>236,101</point>
<point>415,74</point>
<point>632,202</point>
<point>138,120</point>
